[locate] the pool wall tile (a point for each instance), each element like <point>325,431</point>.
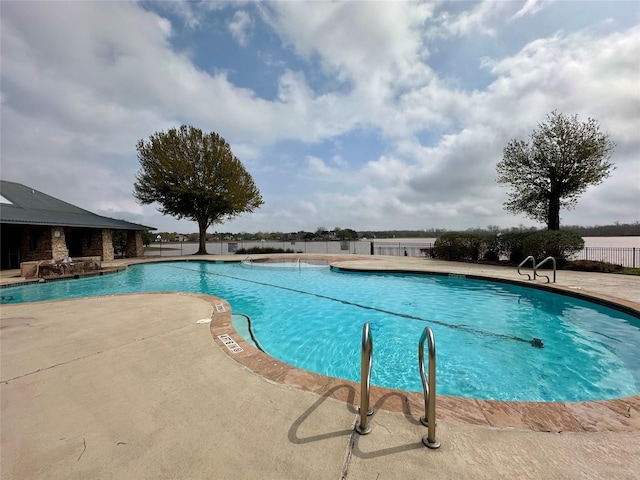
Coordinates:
<point>465,410</point>
<point>502,414</point>
<point>548,417</point>
<point>594,416</point>
<point>621,406</point>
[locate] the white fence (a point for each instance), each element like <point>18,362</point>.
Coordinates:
<point>360,247</point>
<point>625,256</point>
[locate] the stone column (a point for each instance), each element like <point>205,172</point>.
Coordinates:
<point>135,248</point>
<point>107,245</point>
<point>59,248</point>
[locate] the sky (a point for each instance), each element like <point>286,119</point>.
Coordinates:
<point>360,114</point>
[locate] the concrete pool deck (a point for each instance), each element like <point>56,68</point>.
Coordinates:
<point>132,386</point>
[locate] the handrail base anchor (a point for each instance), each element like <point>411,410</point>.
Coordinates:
<point>364,431</point>
<point>430,444</point>
<point>367,429</point>
<point>424,421</point>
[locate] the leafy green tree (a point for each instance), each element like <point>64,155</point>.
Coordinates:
<point>119,241</point>
<point>565,156</point>
<point>347,234</point>
<point>194,176</point>
<point>147,237</point>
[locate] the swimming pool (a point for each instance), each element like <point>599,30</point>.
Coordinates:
<point>312,319</point>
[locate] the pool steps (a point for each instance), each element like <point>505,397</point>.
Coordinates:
<point>249,261</point>
<point>428,385</point>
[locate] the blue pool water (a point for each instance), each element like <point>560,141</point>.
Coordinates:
<point>312,318</point>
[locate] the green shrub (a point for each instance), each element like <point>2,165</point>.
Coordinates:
<point>458,246</point>
<point>559,244</point>
<point>516,246</point>
<point>512,245</point>
<point>491,249</point>
<point>593,266</point>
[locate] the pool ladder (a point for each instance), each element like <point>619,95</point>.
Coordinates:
<point>428,387</point>
<point>536,267</point>
<point>365,381</point>
<point>428,384</point>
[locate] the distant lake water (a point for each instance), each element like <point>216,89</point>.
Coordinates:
<point>617,242</point>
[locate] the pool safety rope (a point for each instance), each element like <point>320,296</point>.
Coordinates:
<point>534,342</point>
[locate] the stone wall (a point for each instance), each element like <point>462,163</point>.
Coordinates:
<point>47,243</point>
<point>43,243</point>
<point>98,243</point>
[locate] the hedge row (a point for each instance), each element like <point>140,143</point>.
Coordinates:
<point>514,246</point>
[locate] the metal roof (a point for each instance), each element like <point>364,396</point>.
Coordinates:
<point>23,205</point>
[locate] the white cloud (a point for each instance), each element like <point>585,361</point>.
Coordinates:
<point>115,207</point>
<point>458,173</point>
<point>135,72</point>
<point>240,27</point>
<point>374,49</point>
<point>589,76</point>
<point>87,91</point>
<point>191,13</point>
<point>468,22</point>
<point>334,178</point>
<point>386,170</point>
<point>531,7</point>
<point>317,166</point>
<point>339,161</point>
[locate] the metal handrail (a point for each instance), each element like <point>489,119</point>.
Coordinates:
<point>533,262</point>
<point>535,269</point>
<point>365,380</point>
<point>429,387</point>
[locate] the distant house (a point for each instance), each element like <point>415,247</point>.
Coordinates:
<point>327,235</point>
<point>35,226</point>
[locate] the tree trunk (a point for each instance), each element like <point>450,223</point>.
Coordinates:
<point>553,218</point>
<point>554,214</point>
<point>202,249</point>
